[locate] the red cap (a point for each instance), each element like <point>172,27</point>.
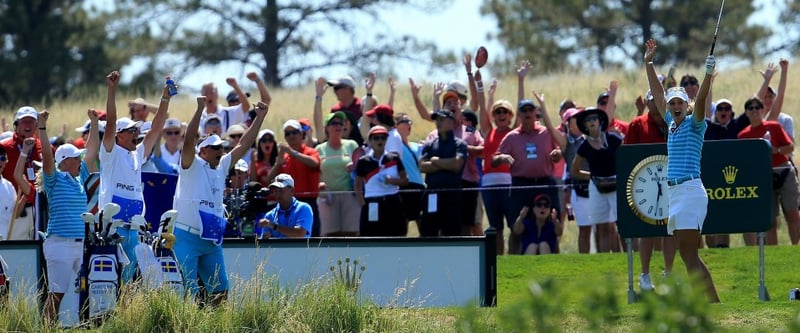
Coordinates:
<point>383,109</point>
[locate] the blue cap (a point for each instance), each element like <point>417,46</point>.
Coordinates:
<point>525,102</point>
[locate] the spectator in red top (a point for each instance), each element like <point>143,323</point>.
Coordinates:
<point>25,125</point>
<point>302,163</point>
<point>784,175</point>
<point>650,128</point>
<point>607,102</point>
<point>496,179</point>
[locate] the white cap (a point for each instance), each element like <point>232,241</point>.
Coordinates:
<point>66,151</point>
<point>8,134</point>
<point>677,92</point>
<point>265,132</point>
<point>26,111</point>
<point>172,123</point>
<point>725,101</point>
<point>343,81</point>
<point>458,87</point>
<point>83,128</point>
<point>235,129</point>
<point>126,123</point>
<point>292,123</point>
<point>241,165</point>
<point>282,181</point>
<point>211,140</point>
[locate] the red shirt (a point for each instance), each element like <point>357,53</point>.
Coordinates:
<point>621,125</point>
<point>490,146</point>
<point>13,146</point>
<point>306,179</point>
<point>531,152</point>
<point>645,129</point>
<point>778,138</point>
<point>80,143</point>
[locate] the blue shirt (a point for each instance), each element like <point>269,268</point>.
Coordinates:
<point>410,159</point>
<point>299,214</point>
<point>66,199</point>
<point>684,146</point>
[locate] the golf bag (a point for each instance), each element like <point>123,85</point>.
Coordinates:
<point>158,266</point>
<point>101,268</point>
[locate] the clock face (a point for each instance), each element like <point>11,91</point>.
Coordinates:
<point>647,190</point>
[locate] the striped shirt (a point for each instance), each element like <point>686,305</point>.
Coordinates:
<point>66,198</point>
<point>684,146</point>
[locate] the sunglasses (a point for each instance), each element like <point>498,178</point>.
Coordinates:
<point>753,108</point>
<point>172,133</point>
<point>235,136</point>
<point>214,147</point>
<point>406,121</point>
<point>379,137</point>
<point>689,82</point>
<point>542,204</point>
<point>602,102</point>
<point>131,130</point>
<point>265,140</point>
<point>3,158</point>
<point>214,123</point>
<point>290,133</point>
<point>724,108</point>
<point>335,123</point>
<point>501,111</point>
<point>592,118</point>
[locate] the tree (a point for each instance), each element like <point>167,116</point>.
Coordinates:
<point>284,40</point>
<point>602,34</point>
<point>49,49</point>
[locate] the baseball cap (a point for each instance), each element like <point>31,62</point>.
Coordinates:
<point>305,124</point>
<point>241,165</point>
<point>502,104</point>
<point>677,92</point>
<point>383,109</point>
<point>212,117</point>
<point>342,81</point>
<point>172,123</point>
<point>337,115</point>
<point>292,123</point>
<point>26,111</point>
<point>126,123</point>
<point>448,95</point>
<point>264,132</point>
<point>724,101</point>
<point>233,96</point>
<point>235,129</point>
<point>601,96</point>
<point>458,87</point>
<point>85,127</point>
<point>525,102</point>
<point>375,130</point>
<point>571,112</point>
<point>282,181</point>
<point>442,113</point>
<point>211,140</point>
<point>66,151</point>
<point>471,117</point>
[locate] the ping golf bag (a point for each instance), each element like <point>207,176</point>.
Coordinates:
<point>101,268</point>
<point>158,266</point>
<point>5,281</point>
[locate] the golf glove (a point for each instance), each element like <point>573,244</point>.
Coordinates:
<point>710,64</point>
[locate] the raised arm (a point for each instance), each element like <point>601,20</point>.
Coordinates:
<point>48,161</point>
<point>190,138</point>
<point>611,108</point>
<point>93,143</point>
<point>262,88</point>
<point>154,134</point>
<point>392,92</point>
<point>558,137</point>
<point>777,104</point>
<point>472,82</point>
<point>112,79</point>
<point>242,96</point>
<point>485,118</point>
<point>438,90</point>
<point>369,100</point>
<point>418,104</point>
<point>652,78</point>
<point>321,86</point>
<point>19,168</point>
<point>250,135</point>
<point>767,74</point>
<point>522,70</point>
<point>705,87</point>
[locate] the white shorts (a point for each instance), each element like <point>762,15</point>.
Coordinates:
<point>602,206</point>
<point>688,205</point>
<point>63,257</point>
<point>580,209</point>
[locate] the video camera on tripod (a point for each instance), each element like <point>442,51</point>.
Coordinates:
<point>243,207</point>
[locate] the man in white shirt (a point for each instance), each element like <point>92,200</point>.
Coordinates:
<point>228,115</point>
<point>173,138</point>
<point>121,160</point>
<point>8,197</point>
<point>200,224</point>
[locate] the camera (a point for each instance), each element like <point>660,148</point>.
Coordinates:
<point>243,207</point>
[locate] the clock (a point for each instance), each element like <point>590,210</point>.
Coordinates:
<point>646,190</point>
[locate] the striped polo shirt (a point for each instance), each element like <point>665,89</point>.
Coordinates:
<point>66,199</point>
<point>684,146</point>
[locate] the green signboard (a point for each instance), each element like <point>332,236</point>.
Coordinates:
<point>737,175</point>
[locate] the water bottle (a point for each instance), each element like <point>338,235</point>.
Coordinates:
<point>570,213</point>
<point>173,89</point>
<point>768,138</point>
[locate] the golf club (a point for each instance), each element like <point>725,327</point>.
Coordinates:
<point>719,18</point>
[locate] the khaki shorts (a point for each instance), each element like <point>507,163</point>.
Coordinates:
<point>788,194</point>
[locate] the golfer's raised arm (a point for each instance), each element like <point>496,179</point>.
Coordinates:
<point>652,78</point>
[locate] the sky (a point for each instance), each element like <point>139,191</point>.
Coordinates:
<point>456,28</point>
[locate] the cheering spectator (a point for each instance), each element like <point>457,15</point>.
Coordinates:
<point>537,227</point>
<point>379,176</point>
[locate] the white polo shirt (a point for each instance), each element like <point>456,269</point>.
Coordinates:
<point>121,174</point>
<point>231,115</point>
<point>8,197</point>
<point>174,159</point>
<point>200,188</point>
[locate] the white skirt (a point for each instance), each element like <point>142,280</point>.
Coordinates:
<point>688,205</point>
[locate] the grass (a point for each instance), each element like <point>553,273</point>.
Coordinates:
<point>568,292</point>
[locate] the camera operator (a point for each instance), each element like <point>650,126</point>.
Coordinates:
<point>291,218</point>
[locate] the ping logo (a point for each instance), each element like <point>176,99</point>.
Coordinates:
<point>730,172</point>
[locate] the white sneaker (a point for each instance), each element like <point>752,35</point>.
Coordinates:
<point>644,282</point>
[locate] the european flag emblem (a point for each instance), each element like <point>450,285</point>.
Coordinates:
<point>103,265</point>
<point>169,267</point>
